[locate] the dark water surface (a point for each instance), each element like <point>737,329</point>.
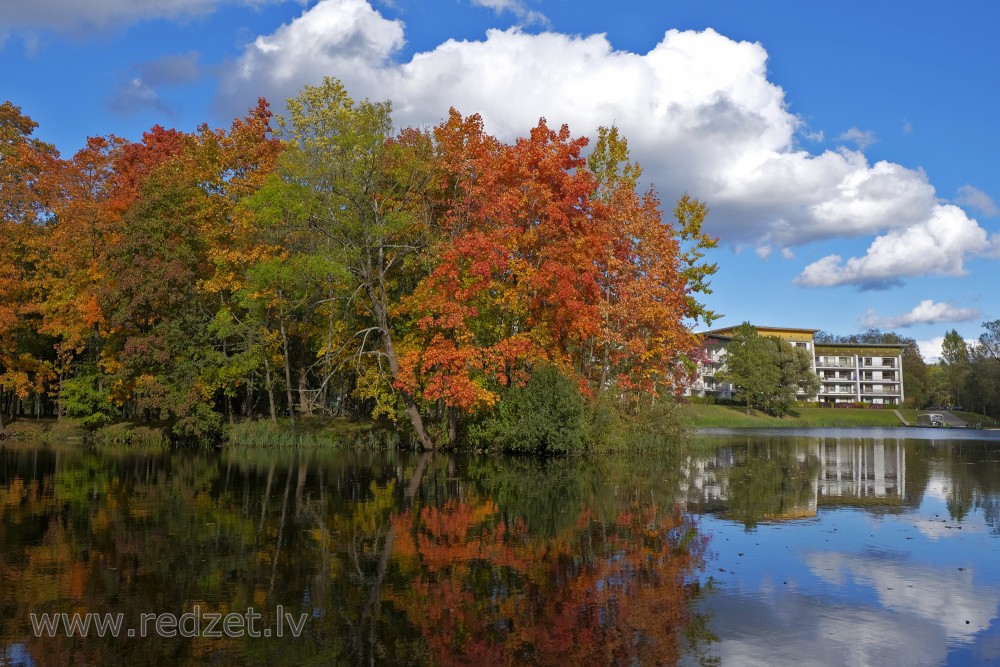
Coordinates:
<point>846,547</point>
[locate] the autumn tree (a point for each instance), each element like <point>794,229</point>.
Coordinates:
<point>543,260</point>
<point>648,267</point>
<point>144,246</point>
<point>24,365</point>
<point>85,223</point>
<point>514,279</point>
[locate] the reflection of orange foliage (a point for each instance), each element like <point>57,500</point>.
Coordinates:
<point>15,492</point>
<point>486,592</point>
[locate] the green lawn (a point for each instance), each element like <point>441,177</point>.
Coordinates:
<point>727,416</point>
<point>732,416</point>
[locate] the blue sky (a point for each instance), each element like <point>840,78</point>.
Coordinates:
<point>847,150</point>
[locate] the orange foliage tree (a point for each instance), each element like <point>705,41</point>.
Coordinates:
<point>24,160</point>
<point>542,258</point>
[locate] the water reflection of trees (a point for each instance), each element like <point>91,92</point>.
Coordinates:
<point>969,474</point>
<point>395,559</point>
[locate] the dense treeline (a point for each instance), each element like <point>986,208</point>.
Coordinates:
<point>969,373</point>
<point>323,263</point>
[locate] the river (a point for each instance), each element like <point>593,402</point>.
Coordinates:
<point>820,547</point>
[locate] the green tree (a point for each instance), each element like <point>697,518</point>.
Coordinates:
<point>795,375</point>
<point>983,379</point>
<point>955,360</point>
<point>750,367</point>
<point>365,188</point>
<point>545,416</point>
<point>767,372</point>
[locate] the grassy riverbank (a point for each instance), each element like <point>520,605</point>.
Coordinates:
<point>733,416</point>
<point>341,433</point>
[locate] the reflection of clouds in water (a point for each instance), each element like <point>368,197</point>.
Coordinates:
<point>801,630</point>
<point>935,521</point>
<point>938,487</point>
<point>937,528</point>
<point>947,598</point>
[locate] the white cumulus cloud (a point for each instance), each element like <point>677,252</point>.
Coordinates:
<point>939,245</point>
<point>930,350</point>
<point>927,311</point>
<point>698,109</point>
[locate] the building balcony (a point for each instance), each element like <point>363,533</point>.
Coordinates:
<point>834,364</point>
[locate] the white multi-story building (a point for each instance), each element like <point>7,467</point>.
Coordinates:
<point>848,373</point>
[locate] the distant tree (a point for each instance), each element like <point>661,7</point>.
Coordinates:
<point>983,378</point>
<point>955,362</point>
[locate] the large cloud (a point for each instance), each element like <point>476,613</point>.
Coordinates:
<point>698,109</point>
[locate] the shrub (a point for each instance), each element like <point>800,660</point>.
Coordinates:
<point>545,416</point>
<point>81,398</point>
<point>647,426</point>
<point>127,435</point>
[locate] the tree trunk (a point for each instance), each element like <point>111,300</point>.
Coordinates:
<point>305,406</point>
<point>247,410</point>
<point>270,389</point>
<point>288,373</point>
<point>58,400</point>
<point>416,420</point>
<point>452,426</point>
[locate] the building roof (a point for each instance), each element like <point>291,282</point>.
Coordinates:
<point>895,346</point>
<point>726,331</point>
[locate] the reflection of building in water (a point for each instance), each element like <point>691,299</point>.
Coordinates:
<point>753,483</point>
<point>705,480</point>
<point>861,469</point>
<point>789,481</point>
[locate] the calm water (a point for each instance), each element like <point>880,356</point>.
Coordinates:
<point>830,547</point>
